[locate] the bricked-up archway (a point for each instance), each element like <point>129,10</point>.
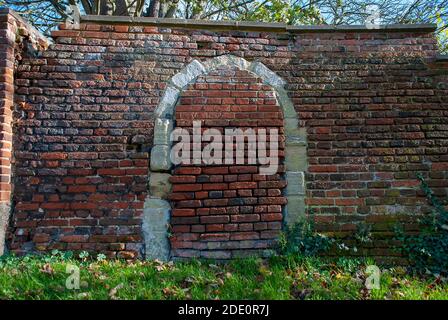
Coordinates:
<point>157,207</point>
<point>231,208</point>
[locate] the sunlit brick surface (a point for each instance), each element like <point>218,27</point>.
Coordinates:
<point>374,105</point>
<point>225,211</point>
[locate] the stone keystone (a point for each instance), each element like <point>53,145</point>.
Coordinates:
<point>226,61</point>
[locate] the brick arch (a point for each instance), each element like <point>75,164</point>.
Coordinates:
<point>157,207</point>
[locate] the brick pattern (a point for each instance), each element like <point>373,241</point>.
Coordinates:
<point>8,44</point>
<point>17,39</point>
<point>375,112</point>
<point>225,211</point>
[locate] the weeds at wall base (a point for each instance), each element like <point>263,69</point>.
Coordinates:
<point>427,252</point>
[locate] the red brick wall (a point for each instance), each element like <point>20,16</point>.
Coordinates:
<point>7,97</point>
<point>17,39</point>
<point>225,211</point>
<point>375,113</point>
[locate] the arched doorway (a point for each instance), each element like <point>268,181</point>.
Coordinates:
<point>210,238</point>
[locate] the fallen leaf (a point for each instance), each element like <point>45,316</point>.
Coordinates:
<point>47,269</point>
<point>264,270</point>
<point>83,295</point>
<point>113,292</point>
<point>168,292</point>
<point>160,268</point>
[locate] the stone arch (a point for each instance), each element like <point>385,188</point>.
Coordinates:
<point>157,207</point>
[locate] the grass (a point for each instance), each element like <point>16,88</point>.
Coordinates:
<point>291,277</point>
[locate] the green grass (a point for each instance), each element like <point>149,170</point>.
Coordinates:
<point>291,277</point>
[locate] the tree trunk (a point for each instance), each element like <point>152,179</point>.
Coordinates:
<point>154,8</point>
<point>172,9</point>
<point>198,9</point>
<point>123,9</point>
<point>96,7</point>
<point>106,7</point>
<point>161,8</point>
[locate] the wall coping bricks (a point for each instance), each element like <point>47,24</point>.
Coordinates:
<point>442,58</point>
<point>252,26</point>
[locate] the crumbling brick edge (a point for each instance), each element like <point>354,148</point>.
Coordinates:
<point>18,39</point>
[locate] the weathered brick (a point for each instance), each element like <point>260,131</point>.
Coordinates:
<point>83,140</point>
